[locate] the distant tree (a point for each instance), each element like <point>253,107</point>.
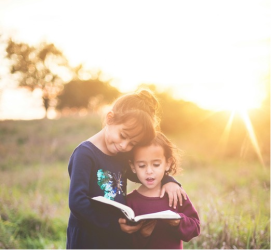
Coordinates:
<point>37,67</point>
<point>89,94</point>
<point>176,115</point>
<point>3,44</point>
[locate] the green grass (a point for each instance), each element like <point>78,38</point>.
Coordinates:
<point>34,207</point>
<point>232,195</point>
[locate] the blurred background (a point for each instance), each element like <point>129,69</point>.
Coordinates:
<point>208,62</point>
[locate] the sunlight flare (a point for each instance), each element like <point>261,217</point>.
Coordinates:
<point>252,136</point>
<point>226,132</point>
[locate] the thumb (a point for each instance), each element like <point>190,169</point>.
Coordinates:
<point>122,221</point>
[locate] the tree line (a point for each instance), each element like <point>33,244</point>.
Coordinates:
<point>44,66</point>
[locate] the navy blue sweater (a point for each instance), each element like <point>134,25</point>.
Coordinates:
<point>93,173</point>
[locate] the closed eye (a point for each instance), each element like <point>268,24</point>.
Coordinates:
<point>156,165</point>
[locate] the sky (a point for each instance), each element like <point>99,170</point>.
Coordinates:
<point>214,53</point>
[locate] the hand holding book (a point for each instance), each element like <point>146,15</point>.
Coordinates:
<point>148,227</point>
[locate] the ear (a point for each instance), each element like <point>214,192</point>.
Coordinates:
<point>169,162</point>
<point>109,117</point>
<point>132,167</point>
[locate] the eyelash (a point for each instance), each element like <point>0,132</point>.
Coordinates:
<point>155,165</point>
<point>124,138</point>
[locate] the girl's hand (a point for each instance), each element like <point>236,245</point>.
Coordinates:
<point>175,193</point>
<point>128,228</point>
<point>147,228</point>
<point>173,223</point>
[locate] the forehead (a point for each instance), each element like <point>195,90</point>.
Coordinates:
<point>132,129</point>
<point>148,152</point>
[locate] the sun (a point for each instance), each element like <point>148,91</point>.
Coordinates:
<point>233,93</point>
<point>231,97</point>
<point>240,97</point>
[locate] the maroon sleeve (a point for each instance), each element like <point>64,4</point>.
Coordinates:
<point>189,226</point>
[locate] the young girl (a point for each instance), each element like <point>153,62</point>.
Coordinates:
<point>151,163</point>
<point>97,167</point>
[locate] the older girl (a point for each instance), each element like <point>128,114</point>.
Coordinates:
<point>97,167</point>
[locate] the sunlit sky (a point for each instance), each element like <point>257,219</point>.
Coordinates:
<point>214,53</point>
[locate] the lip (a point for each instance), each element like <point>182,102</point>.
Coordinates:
<point>116,148</point>
<point>150,180</point>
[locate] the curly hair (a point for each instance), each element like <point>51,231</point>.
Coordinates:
<point>171,151</point>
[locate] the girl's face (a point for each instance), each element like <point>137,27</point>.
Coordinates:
<point>120,138</point>
<point>150,165</point>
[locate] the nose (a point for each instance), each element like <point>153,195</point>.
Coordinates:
<point>149,170</point>
<point>123,145</point>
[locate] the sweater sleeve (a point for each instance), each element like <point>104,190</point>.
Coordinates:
<point>81,207</point>
<point>133,177</point>
<point>189,226</point>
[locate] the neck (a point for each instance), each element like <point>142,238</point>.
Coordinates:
<point>99,141</point>
<point>150,192</point>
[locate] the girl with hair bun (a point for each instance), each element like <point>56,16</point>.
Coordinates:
<point>99,167</point>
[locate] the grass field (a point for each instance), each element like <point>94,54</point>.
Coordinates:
<point>232,195</point>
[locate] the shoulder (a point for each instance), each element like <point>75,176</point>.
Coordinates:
<point>131,196</point>
<point>187,204</point>
<point>83,153</point>
<point>85,145</point>
<point>85,148</point>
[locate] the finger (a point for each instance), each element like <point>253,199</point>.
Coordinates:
<point>170,199</point>
<point>175,200</point>
<point>148,223</point>
<point>137,226</point>
<point>132,228</point>
<point>122,221</point>
<point>180,198</point>
<point>162,192</point>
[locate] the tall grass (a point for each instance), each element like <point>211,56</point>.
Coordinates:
<point>232,196</point>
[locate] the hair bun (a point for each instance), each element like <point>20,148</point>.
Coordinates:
<point>151,103</point>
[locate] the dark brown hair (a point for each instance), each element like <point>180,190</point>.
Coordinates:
<point>142,107</point>
<point>171,152</point>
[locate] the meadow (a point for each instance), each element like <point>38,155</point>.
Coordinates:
<point>231,194</point>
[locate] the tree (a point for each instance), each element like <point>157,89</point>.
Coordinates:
<point>89,94</point>
<point>37,67</point>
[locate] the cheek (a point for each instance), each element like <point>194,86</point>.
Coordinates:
<point>114,137</point>
<point>161,171</point>
<point>140,173</point>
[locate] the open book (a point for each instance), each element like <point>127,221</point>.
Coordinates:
<point>130,215</point>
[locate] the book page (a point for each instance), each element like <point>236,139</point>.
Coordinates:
<point>168,214</point>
